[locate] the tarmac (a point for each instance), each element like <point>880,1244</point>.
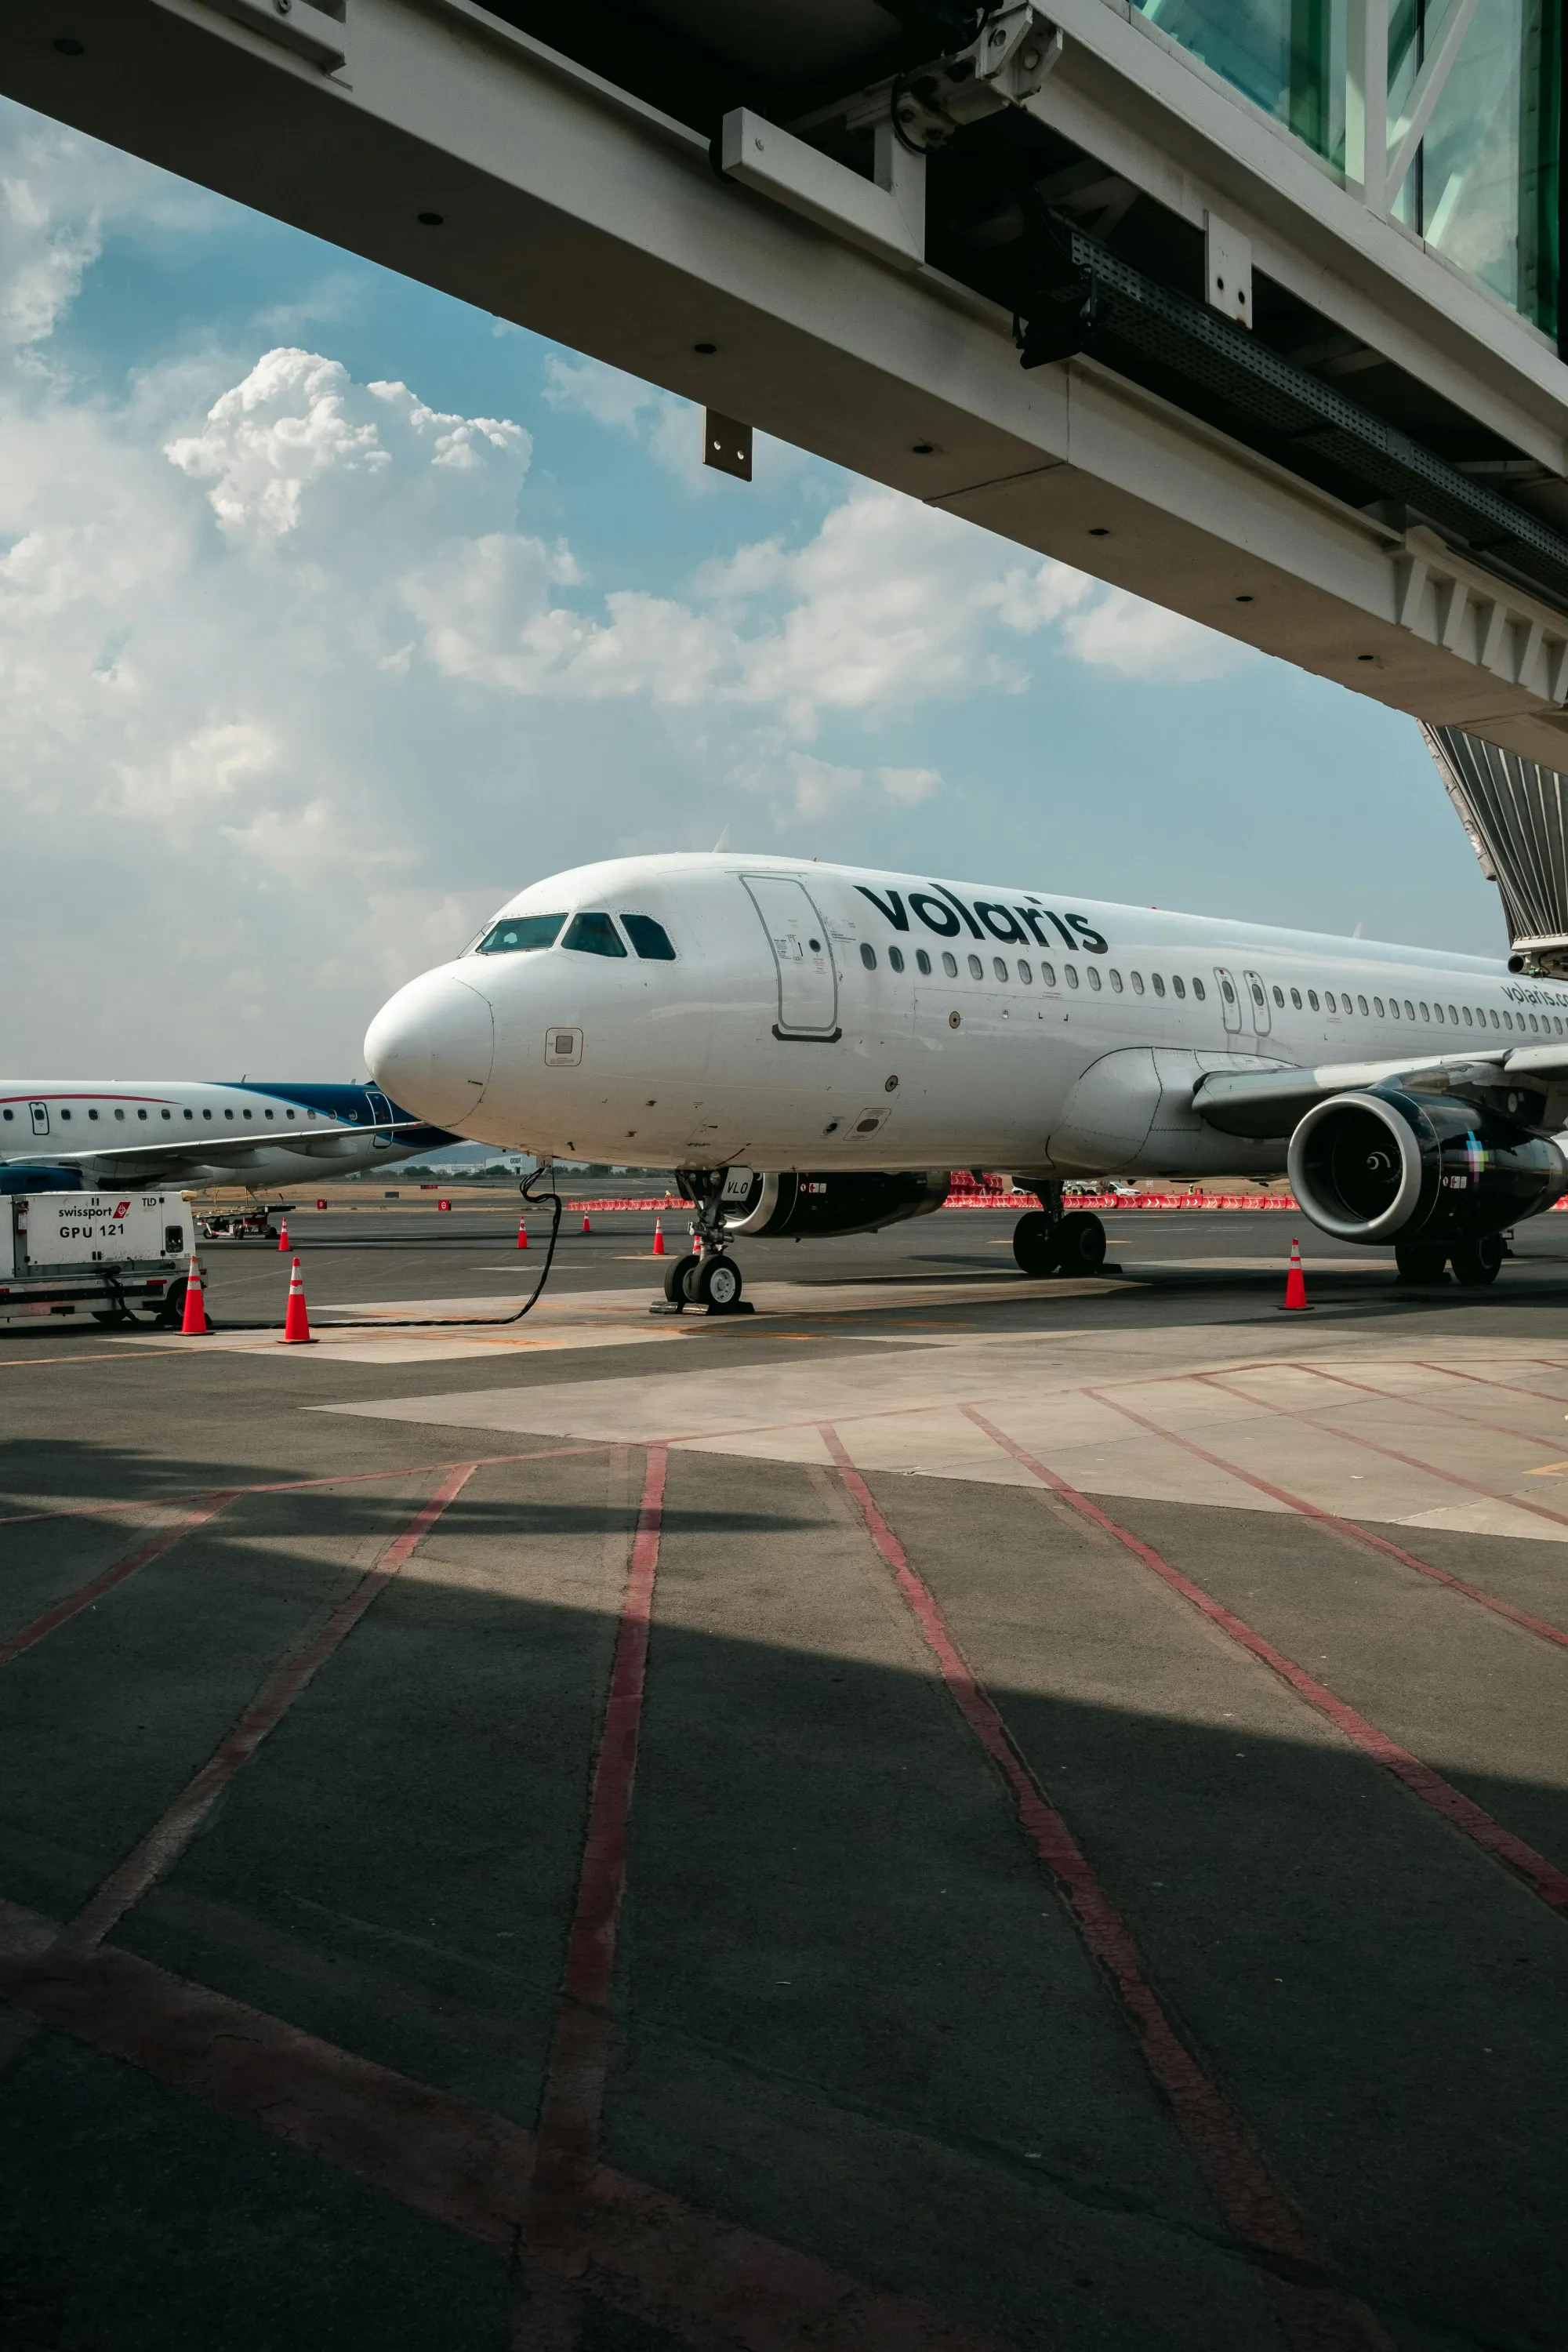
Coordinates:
<point>953,1811</point>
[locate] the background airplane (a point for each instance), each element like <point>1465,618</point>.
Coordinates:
<point>812,1047</point>
<point>58,1134</point>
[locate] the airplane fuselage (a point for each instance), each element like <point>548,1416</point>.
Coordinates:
<point>183,1130</point>
<point>697,1011</point>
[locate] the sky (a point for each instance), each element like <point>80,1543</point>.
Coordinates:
<point>333,612</point>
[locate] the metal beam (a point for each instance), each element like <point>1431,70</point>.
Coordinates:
<point>573,208</point>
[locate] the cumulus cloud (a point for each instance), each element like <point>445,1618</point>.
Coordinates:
<point>295,688</point>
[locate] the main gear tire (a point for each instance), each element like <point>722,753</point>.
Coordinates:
<point>1035,1242</point>
<point>1081,1244</point>
<point>1477,1261</point>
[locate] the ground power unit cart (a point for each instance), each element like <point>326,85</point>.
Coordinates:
<point>117,1257</point>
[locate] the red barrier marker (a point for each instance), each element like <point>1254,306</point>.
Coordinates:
<point>443,1204</point>
<point>194,1322</point>
<point>296,1322</point>
<point>320,1204</point>
<point>1294,1286</point>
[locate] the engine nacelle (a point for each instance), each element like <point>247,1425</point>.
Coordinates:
<point>1388,1166</point>
<point>859,1202</point>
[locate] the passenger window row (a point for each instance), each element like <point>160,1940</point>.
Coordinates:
<point>1329,1001</point>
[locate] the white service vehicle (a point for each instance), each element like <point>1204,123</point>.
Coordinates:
<point>104,1255</point>
<point>814,1048</point>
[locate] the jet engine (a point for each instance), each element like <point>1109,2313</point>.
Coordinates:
<point>860,1202</point>
<point>1388,1166</point>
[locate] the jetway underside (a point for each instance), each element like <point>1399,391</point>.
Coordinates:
<point>443,143</point>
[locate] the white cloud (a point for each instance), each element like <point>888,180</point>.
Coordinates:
<point>287,671</point>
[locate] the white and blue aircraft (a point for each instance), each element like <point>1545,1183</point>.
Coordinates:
<point>62,1134</point>
<point>813,1048</point>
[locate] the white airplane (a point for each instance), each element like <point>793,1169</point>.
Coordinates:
<point>825,1043</point>
<point>57,1134</point>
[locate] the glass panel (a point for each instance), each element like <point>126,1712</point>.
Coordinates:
<point>1483,189</point>
<point>1287,56</point>
<point>650,939</point>
<point>593,935</point>
<point>519,932</point>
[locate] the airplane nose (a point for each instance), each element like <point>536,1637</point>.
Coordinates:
<point>430,1048</point>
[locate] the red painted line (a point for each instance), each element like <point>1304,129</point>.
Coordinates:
<point>168,1838</point>
<point>664,2262</point>
<point>107,1578</point>
<point>1316,2315</point>
<point>1542,1878</point>
<point>1547,1632</point>
<point>1424,1404</point>
<point>1514,1388</point>
<point>1371,1445</point>
<point>548,2308</point>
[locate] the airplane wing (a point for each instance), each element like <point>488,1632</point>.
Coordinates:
<point>1529,1083</point>
<point>128,1163</point>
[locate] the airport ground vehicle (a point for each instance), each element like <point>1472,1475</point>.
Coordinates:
<point>114,1257</point>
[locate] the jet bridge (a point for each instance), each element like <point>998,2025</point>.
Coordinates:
<point>1251,311</point>
<point>1516,814</point>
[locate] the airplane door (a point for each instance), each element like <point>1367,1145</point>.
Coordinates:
<point>1259,996</point>
<point>808,986</point>
<point>40,1112</point>
<point>1230,1002</point>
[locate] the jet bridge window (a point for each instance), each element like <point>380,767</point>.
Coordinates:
<point>651,940</point>
<point>519,932</point>
<point>593,935</point>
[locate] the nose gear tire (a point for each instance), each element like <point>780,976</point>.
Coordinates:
<point>675,1276</point>
<point>717,1286</point>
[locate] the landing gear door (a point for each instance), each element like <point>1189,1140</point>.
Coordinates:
<point>1259,997</point>
<point>1229,999</point>
<point>803,959</point>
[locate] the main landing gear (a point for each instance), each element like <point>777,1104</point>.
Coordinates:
<point>705,1276</point>
<point>1045,1241</point>
<point>1475,1262</point>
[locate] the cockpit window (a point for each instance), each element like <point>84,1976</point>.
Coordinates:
<point>593,935</point>
<point>650,939</point>
<point>518,932</point>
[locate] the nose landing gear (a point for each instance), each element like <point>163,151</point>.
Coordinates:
<point>705,1276</point>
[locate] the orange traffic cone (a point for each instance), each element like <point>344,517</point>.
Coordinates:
<point>193,1323</point>
<point>296,1322</point>
<point>587,1228</point>
<point>283,1234</point>
<point>1294,1286</point>
<point>659,1243</point>
<point>521,1234</point>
